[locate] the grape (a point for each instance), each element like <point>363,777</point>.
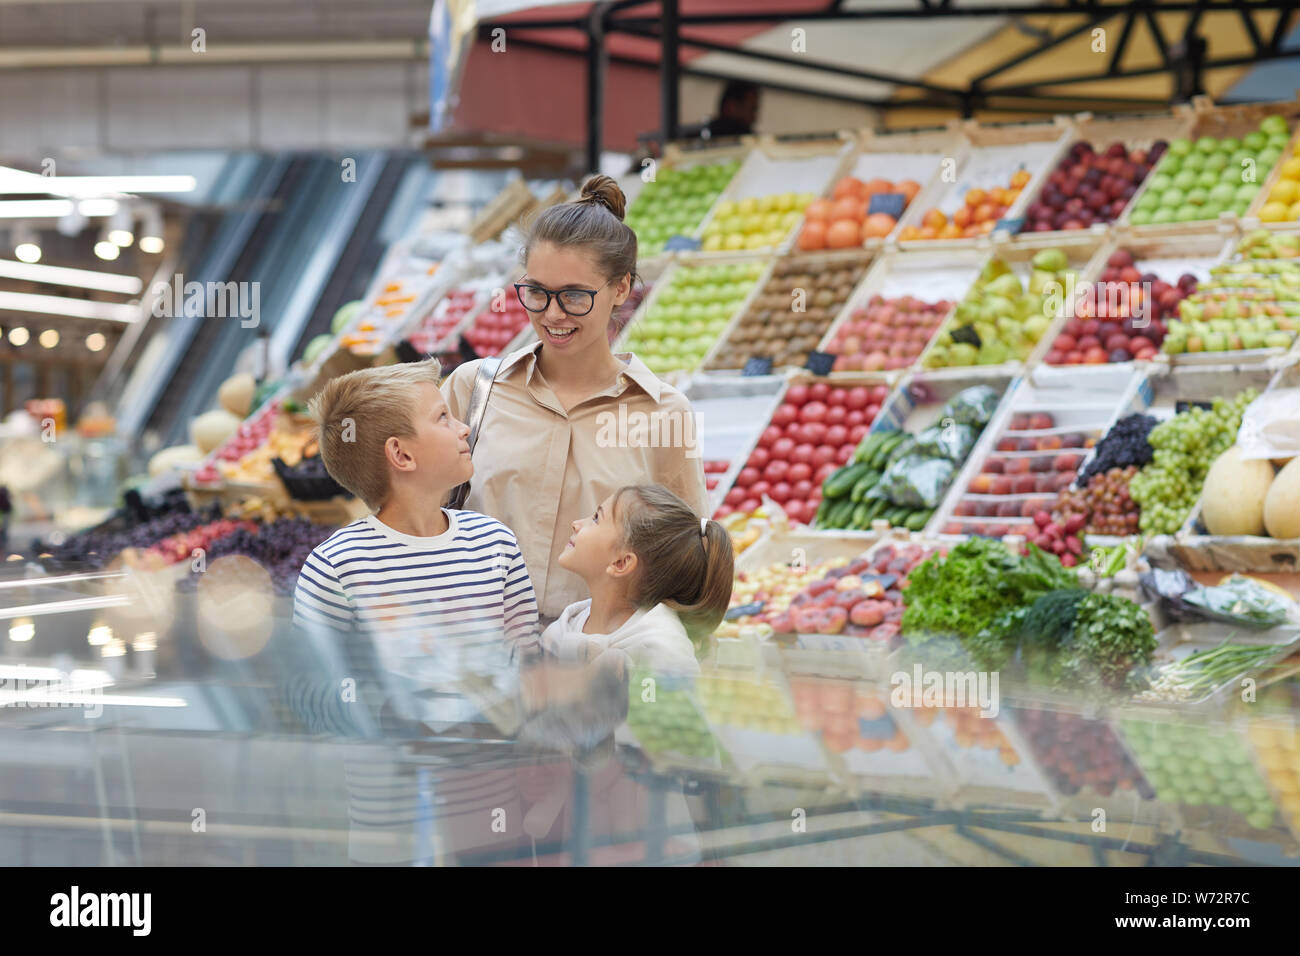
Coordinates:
<point>1183,449</point>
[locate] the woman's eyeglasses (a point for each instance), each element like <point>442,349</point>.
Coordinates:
<point>575,302</point>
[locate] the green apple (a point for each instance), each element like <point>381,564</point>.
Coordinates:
<point>1222,193</point>
<point>1247,191</point>
<point>1278,340</point>
<point>1273,126</point>
<point>1207,144</point>
<point>1212,210</point>
<point>1173,198</point>
<point>1159,183</point>
<point>1185,180</point>
<point>1163,214</point>
<point>1140,217</point>
<point>1197,197</point>
<point>1207,179</point>
<point>1188,213</point>
<point>1229,145</point>
<point>1180,147</point>
<point>1268,157</point>
<point>1254,141</point>
<point>1216,161</point>
<point>1194,162</point>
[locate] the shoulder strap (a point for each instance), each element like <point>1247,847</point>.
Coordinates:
<point>478,399</point>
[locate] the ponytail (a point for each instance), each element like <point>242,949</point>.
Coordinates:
<point>686,564</point>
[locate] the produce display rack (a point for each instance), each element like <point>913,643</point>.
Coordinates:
<point>1083,254</point>
<point>771,165</point>
<point>920,153</point>
<point>931,276</point>
<point>987,156</point>
<point>740,406</point>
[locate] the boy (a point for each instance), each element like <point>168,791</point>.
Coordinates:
<point>440,592</point>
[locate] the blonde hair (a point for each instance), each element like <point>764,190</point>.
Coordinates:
<point>685,563</point>
<point>357,413</point>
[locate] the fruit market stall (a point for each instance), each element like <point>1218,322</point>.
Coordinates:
<point>729,415</point>
<point>675,195</point>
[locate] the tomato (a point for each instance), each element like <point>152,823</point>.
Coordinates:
<point>814,433</point>
<point>846,453</point>
<point>796,394</point>
<point>856,417</point>
<point>819,391</point>
<point>858,432</point>
<point>758,458</point>
<point>835,399</point>
<point>770,434</point>
<point>723,512</point>
<point>785,414</point>
<point>794,431</point>
<point>801,470</point>
<point>822,455</point>
<point>780,492</point>
<point>748,506</point>
<point>836,415</point>
<point>747,477</point>
<point>872,411</point>
<point>837,435</point>
<point>801,489</point>
<point>782,447</point>
<point>814,411</point>
<point>776,470</point>
<point>796,511</point>
<point>857,397</point>
<point>824,469</point>
<point>879,394</point>
<point>759,488</point>
<point>802,454</point>
<point>735,496</point>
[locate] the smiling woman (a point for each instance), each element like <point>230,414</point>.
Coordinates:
<point>546,453</point>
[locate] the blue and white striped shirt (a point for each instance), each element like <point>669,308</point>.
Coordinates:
<point>437,607</point>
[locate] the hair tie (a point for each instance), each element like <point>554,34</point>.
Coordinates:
<point>703,537</point>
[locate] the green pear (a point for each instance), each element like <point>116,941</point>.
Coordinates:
<point>1278,340</point>
<point>1216,342</point>
<point>1036,326</point>
<point>1050,260</point>
<point>1252,340</point>
<point>992,269</point>
<point>1007,285</point>
<point>998,306</point>
<point>1175,343</point>
<point>962,353</point>
<point>1040,281</point>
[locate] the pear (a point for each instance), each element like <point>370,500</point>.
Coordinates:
<point>1040,282</point>
<point>1277,340</point>
<point>1007,285</point>
<point>1050,260</point>
<point>962,353</point>
<point>992,269</point>
<point>998,306</point>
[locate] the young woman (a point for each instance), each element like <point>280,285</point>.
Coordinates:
<point>569,422</point>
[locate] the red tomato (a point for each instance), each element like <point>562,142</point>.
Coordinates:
<point>758,489</point>
<point>800,470</point>
<point>823,470</point>
<point>879,394</point>
<point>818,391</point>
<point>837,435</point>
<point>836,397</point>
<point>758,458</point>
<point>796,511</point>
<point>723,512</point>
<point>836,415</point>
<point>780,492</point>
<point>748,505</point>
<point>776,470</point>
<point>823,455</point>
<point>802,454</point>
<point>785,414</point>
<point>770,434</point>
<point>796,394</point>
<point>801,489</point>
<point>846,453</point>
<point>858,432</point>
<point>746,477</point>
<point>735,496</point>
<point>856,417</point>
<point>794,431</point>
<point>872,411</point>
<point>814,411</point>
<point>857,397</point>
<point>814,433</point>
<point>782,447</point>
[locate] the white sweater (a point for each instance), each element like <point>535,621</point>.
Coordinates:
<point>653,638</point>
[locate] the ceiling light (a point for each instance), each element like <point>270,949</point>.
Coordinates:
<point>49,338</point>
<point>97,207</point>
<point>99,634</point>
<point>119,228</point>
<point>95,341</point>
<point>26,246</point>
<point>22,630</point>
<point>18,336</point>
<point>78,278</point>
<point>151,232</point>
<point>107,250</point>
<point>18,182</point>
<point>62,305</point>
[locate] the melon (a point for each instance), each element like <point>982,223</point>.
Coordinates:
<point>174,457</point>
<point>346,312</point>
<point>236,394</point>
<point>1282,505</point>
<point>1232,499</point>
<point>212,428</point>
<point>315,347</point>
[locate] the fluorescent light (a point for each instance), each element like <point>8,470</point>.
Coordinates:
<point>22,631</point>
<point>95,341</point>
<point>18,182</point>
<point>18,336</point>
<point>61,305</point>
<point>79,278</point>
<point>107,250</point>
<point>35,208</point>
<point>28,252</point>
<point>59,607</point>
<point>93,208</point>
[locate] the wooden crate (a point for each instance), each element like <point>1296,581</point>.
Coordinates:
<point>917,155</point>
<point>986,158</point>
<point>811,262</point>
<point>506,207</point>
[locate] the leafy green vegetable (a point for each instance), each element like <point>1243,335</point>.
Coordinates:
<point>1112,636</point>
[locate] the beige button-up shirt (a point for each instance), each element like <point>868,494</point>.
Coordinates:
<point>538,468</point>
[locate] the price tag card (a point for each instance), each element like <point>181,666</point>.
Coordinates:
<point>966,334</point>
<point>681,244</point>
<point>890,203</point>
<point>819,363</point>
<point>1180,407</point>
<point>1012,226</point>
<point>757,365</point>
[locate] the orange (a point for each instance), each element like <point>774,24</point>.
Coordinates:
<point>818,209</point>
<point>1020,179</point>
<point>984,212</point>
<point>910,232</point>
<point>846,208</point>
<point>813,235</point>
<point>986,227</point>
<point>843,233</point>
<point>975,196</point>
<point>879,186</point>
<point>878,224</point>
<point>1012,196</point>
<point>849,186</point>
<point>935,220</point>
<point>908,187</point>
<point>971,231</point>
<point>950,231</point>
<point>929,232</point>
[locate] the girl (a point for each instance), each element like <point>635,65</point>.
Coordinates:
<point>659,576</point>
<point>549,448</point>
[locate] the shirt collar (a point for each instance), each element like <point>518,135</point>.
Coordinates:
<point>635,369</point>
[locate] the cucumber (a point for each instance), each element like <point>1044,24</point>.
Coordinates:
<point>861,520</point>
<point>867,447</point>
<point>895,516</point>
<point>878,505</point>
<point>823,508</point>
<point>864,484</point>
<point>881,457</point>
<point>918,519</point>
<point>840,514</point>
<point>841,482</point>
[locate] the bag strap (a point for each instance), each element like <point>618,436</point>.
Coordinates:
<point>478,399</point>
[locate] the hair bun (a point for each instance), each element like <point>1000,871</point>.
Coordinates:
<point>606,192</point>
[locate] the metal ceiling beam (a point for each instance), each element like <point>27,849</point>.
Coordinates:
<point>1087,25</point>
<point>1035,89</point>
<point>1124,34</point>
